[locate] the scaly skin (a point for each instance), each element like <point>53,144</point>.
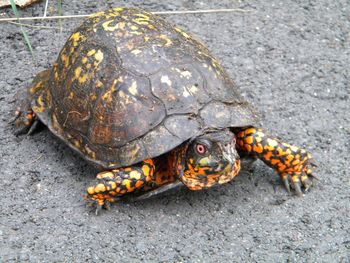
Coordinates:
<point>117,182</point>
<point>293,164</point>
<point>208,160</point>
<point>25,119</point>
<point>113,184</point>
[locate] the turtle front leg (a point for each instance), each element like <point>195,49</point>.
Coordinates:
<point>293,164</point>
<point>113,184</point>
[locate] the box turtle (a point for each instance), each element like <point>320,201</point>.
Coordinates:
<point>148,103</point>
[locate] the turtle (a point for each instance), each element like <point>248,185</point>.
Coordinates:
<point>148,103</point>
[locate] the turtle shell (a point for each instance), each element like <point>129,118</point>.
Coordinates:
<point>128,86</point>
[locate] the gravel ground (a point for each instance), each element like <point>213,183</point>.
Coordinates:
<point>291,61</point>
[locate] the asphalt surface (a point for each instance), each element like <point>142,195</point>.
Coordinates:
<point>290,59</point>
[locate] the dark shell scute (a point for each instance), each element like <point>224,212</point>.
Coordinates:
<point>125,111</point>
<point>77,80</point>
<point>217,83</point>
<point>160,140</point>
<point>216,115</point>
<point>222,115</point>
<point>181,88</point>
<point>134,152</point>
<point>183,126</point>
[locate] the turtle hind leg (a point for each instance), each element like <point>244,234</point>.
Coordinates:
<point>293,164</point>
<point>25,120</point>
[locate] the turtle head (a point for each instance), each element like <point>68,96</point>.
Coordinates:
<point>210,159</point>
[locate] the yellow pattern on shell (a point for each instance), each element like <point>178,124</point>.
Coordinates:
<point>106,25</point>
<point>36,87</point>
<point>39,106</point>
<point>76,37</point>
<point>91,52</point>
<point>89,152</point>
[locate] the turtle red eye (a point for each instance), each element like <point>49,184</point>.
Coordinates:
<point>201,149</point>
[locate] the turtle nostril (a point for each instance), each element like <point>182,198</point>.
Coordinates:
<point>233,141</point>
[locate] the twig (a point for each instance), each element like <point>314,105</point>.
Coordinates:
<point>33,26</point>
<point>209,11</point>
<point>59,7</point>
<point>206,11</point>
<point>33,161</point>
<point>24,33</point>
<point>46,5</point>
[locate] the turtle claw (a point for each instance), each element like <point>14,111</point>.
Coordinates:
<point>21,131</point>
<point>286,183</point>
<point>306,182</point>
<point>313,176</point>
<point>14,118</point>
<point>98,208</point>
<point>107,205</point>
<point>293,182</point>
<point>34,127</point>
<point>300,183</point>
<point>98,204</point>
<point>297,188</point>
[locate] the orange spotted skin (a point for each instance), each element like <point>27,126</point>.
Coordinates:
<point>211,159</point>
<point>217,162</point>
<point>291,162</point>
<point>144,176</point>
<point>197,178</point>
<point>216,165</point>
<point>24,118</point>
